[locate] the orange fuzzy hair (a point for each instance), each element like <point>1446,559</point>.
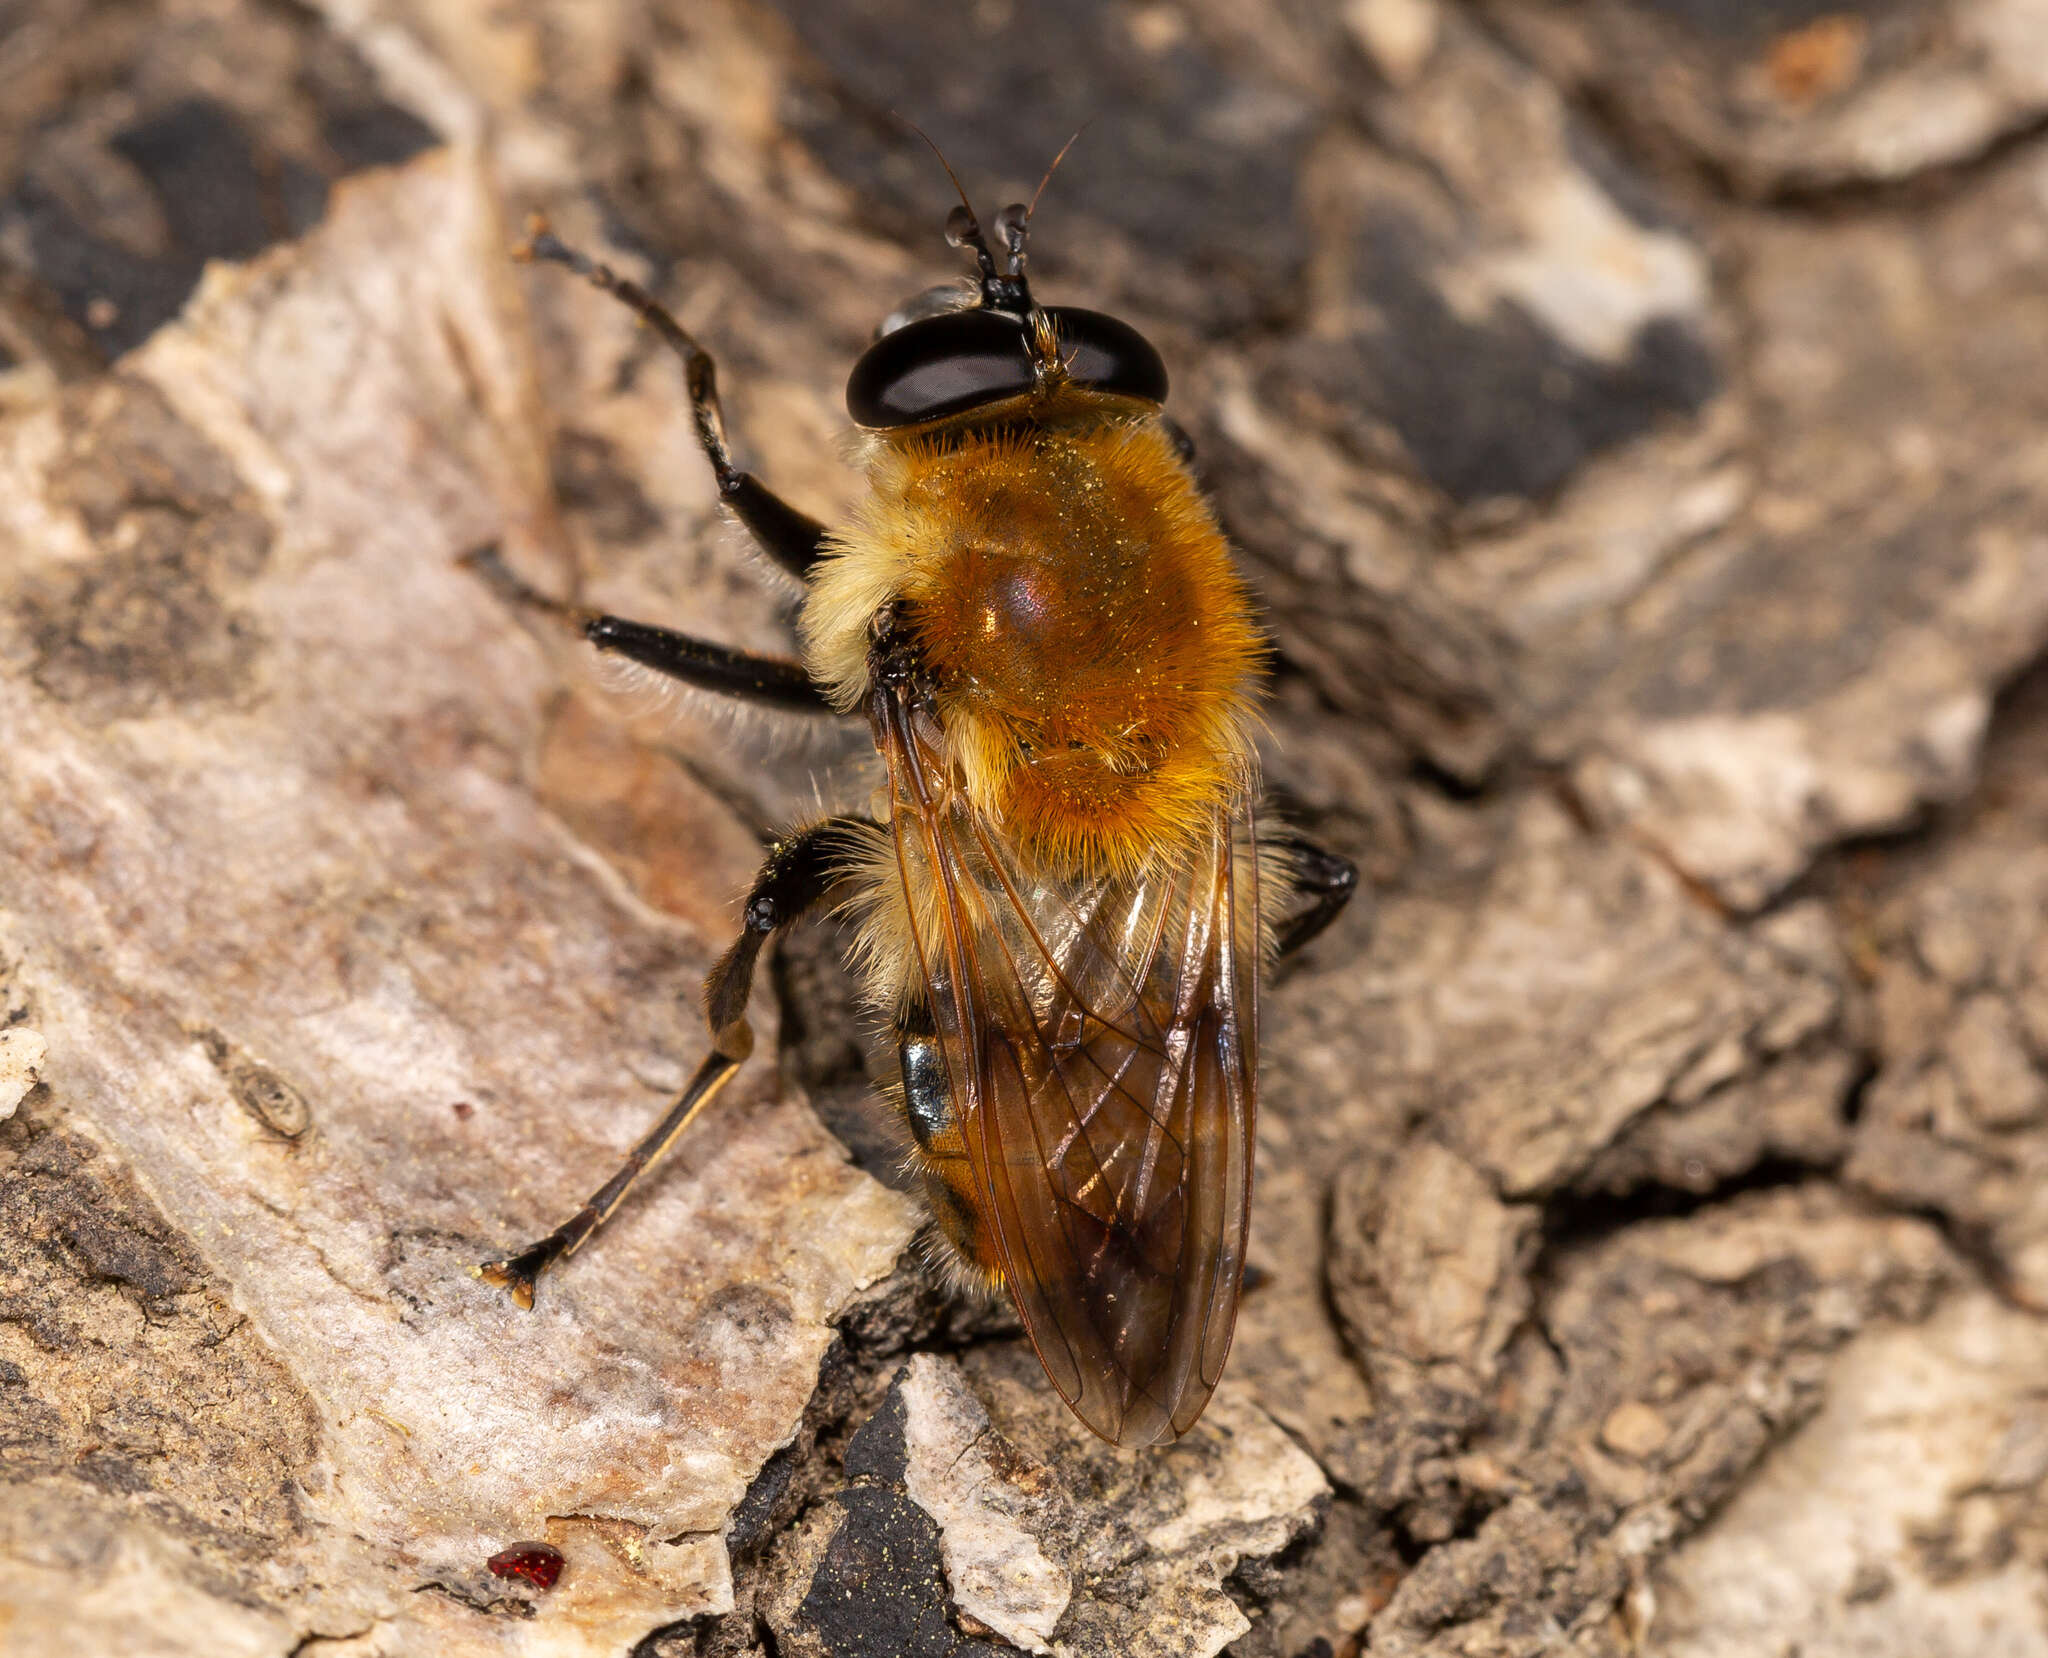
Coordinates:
<point>1092,648</point>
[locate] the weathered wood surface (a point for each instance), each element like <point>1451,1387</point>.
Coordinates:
<point>1635,417</point>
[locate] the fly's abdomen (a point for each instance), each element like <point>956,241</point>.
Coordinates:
<point>939,1154</point>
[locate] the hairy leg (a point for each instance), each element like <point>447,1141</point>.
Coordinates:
<point>771,681</point>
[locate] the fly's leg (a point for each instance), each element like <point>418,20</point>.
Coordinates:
<point>792,539</point>
<point>798,873</point>
<point>1325,879</point>
<point>771,681</point>
<point>519,1273</point>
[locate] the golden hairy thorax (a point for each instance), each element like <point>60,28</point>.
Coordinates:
<point>1092,649</point>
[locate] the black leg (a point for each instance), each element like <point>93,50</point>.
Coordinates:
<point>798,873</point>
<point>1325,880</point>
<point>791,538</point>
<point>772,681</point>
<point>1183,445</point>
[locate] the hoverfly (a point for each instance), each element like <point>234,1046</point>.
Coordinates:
<point>1066,905</point>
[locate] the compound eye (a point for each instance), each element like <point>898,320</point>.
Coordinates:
<point>1107,355</point>
<point>939,366</point>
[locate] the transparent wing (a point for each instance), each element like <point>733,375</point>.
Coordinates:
<point>1100,1040</point>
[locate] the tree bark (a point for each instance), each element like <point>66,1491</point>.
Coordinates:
<point>1632,419</point>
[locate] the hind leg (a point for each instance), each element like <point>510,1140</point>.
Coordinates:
<point>798,873</point>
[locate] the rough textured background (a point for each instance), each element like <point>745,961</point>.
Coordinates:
<point>1634,415</point>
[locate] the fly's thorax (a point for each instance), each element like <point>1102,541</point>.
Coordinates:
<point>1090,647</point>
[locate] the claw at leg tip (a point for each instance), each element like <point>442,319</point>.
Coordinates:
<point>509,1278</point>
<point>536,228</point>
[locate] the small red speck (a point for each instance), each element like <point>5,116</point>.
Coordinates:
<point>463,1110</point>
<point>539,1563</point>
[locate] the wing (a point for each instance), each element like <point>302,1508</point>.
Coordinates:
<point>1100,1040</point>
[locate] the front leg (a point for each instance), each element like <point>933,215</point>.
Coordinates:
<point>793,539</point>
<point>799,872</point>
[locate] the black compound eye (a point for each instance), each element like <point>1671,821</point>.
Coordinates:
<point>1107,355</point>
<point>944,365</point>
<point>939,366</point>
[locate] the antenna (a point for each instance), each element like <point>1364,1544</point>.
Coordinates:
<point>1015,220</point>
<point>1055,167</point>
<point>963,227</point>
